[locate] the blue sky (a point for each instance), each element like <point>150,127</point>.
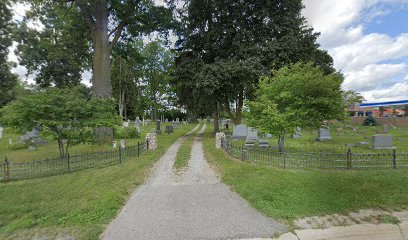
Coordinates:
<point>368,40</point>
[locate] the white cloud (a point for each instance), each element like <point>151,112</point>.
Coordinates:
<point>360,56</point>
<point>375,76</point>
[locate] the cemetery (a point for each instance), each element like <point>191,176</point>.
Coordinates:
<point>200,119</point>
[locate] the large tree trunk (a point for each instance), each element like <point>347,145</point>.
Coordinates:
<point>101,79</point>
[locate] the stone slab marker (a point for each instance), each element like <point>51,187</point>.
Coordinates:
<point>219,137</point>
<point>382,141</point>
<point>1,132</point>
<point>324,135</point>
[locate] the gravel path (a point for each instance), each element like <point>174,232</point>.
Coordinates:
<point>198,206</point>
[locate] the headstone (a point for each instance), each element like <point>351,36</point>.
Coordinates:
<point>297,133</point>
<point>382,141</point>
<point>263,143</point>
<point>252,133</point>
<point>175,125</point>
<point>32,148</point>
<point>208,119</point>
<point>250,142</point>
<point>137,124</point>
<point>10,141</point>
<point>32,137</point>
<point>324,135</point>
<point>178,120</point>
<point>114,144</point>
<point>239,131</point>
<point>386,128</point>
<point>158,131</point>
<point>1,132</point>
<point>166,120</point>
<point>125,124</point>
<point>223,122</point>
<point>169,129</point>
<point>122,143</point>
<point>268,135</point>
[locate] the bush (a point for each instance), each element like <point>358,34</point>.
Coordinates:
<point>370,121</point>
<point>126,133</point>
<point>18,146</point>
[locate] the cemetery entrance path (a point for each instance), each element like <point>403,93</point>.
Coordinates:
<point>195,205</point>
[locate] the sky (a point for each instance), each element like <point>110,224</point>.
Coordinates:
<point>368,40</point>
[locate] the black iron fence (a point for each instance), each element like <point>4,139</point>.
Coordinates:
<point>72,163</point>
<point>384,159</point>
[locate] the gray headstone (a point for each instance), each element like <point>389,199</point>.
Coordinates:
<point>158,126</point>
<point>1,132</point>
<point>324,135</point>
<point>263,143</point>
<point>382,141</point>
<point>240,131</point>
<point>32,148</point>
<point>297,133</point>
<point>386,128</point>
<point>252,133</point>
<point>169,129</point>
<point>250,142</point>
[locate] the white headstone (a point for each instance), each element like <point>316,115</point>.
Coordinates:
<point>125,124</point>
<point>1,132</point>
<point>122,143</point>
<point>114,144</point>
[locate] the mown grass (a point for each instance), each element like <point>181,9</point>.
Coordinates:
<point>184,152</point>
<point>290,194</point>
<point>78,204</point>
<point>50,150</point>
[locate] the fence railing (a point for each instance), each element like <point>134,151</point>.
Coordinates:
<point>384,159</point>
<point>71,163</point>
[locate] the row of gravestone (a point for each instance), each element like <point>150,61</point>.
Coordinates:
<point>379,141</point>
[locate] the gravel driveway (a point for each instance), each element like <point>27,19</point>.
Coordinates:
<point>194,206</point>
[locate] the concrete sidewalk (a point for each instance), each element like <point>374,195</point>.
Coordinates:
<point>353,232</point>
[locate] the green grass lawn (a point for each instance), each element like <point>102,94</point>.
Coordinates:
<point>290,194</point>
<point>80,204</point>
<point>51,148</point>
<point>184,152</point>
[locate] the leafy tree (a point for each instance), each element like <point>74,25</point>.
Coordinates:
<point>350,98</point>
<point>242,39</point>
<point>126,80</point>
<point>8,81</point>
<point>300,95</point>
<point>59,51</point>
<point>107,22</point>
<point>157,67</point>
<point>62,114</point>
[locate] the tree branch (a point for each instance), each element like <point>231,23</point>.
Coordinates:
<point>119,30</point>
<point>87,15</point>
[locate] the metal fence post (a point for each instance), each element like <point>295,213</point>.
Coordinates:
<point>349,153</point>
<point>120,154</point>
<point>138,149</point>
<point>6,169</point>
<point>68,163</point>
<point>394,158</point>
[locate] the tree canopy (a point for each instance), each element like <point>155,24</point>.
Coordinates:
<point>300,95</point>
<point>242,40</point>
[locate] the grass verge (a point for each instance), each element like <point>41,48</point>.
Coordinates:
<point>184,152</point>
<point>290,194</point>
<point>78,204</point>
